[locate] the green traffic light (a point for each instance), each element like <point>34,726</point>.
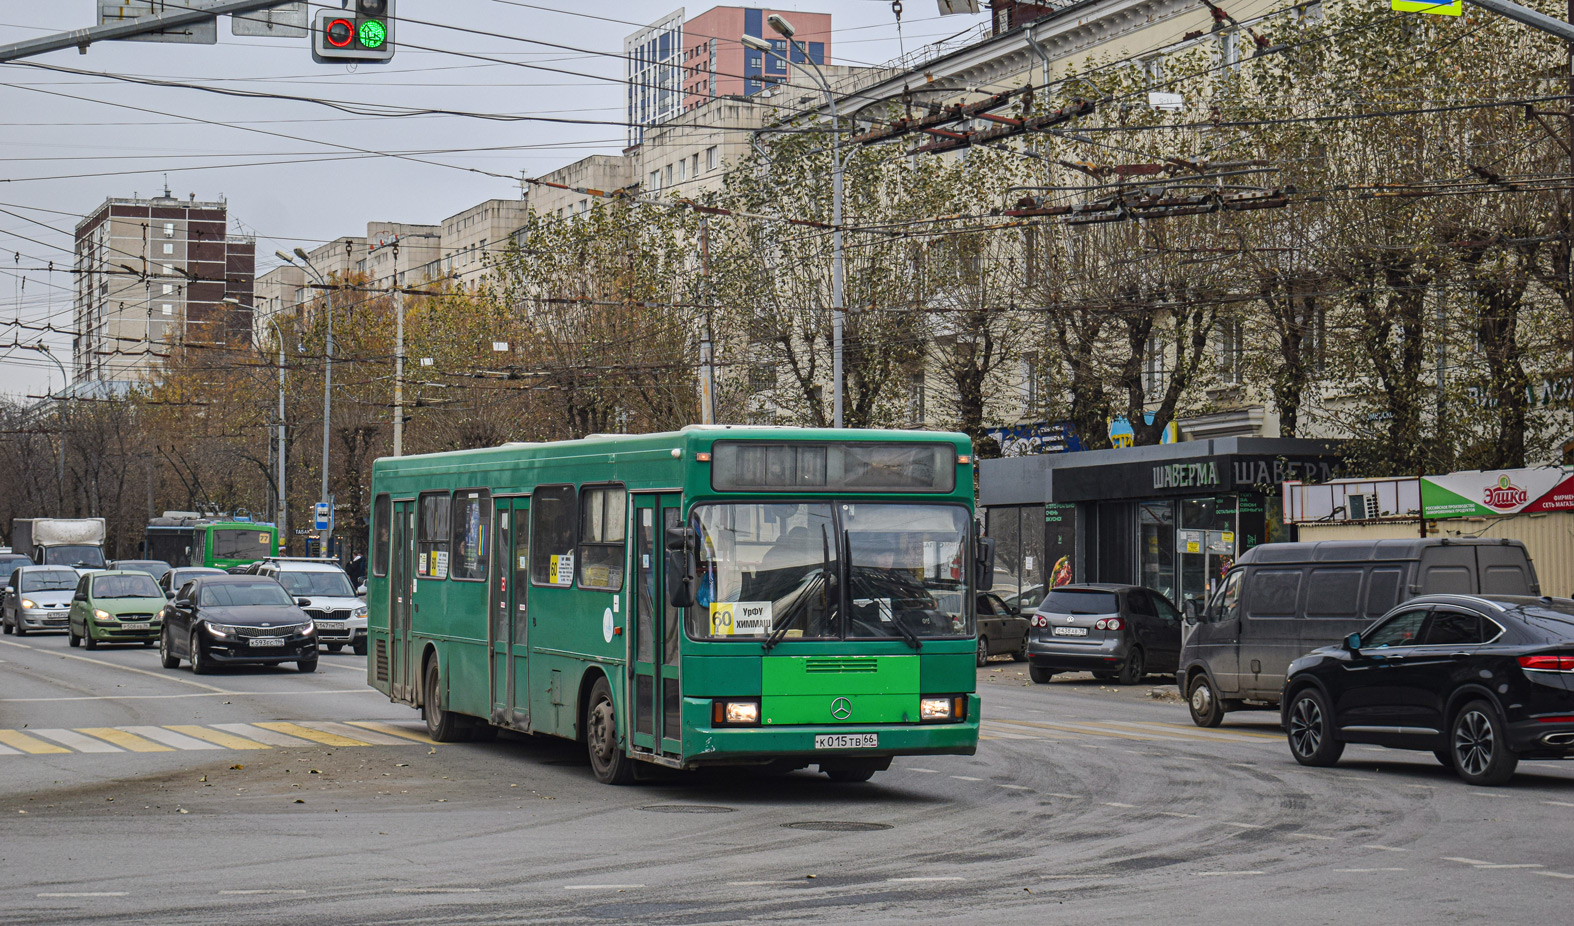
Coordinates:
<point>373,34</point>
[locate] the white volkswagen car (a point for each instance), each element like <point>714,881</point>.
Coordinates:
<point>339,614</point>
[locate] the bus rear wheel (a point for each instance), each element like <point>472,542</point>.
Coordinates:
<point>607,758</point>
<point>442,725</point>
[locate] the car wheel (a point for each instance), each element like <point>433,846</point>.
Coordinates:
<point>306,665</point>
<point>1311,730</point>
<point>21,629</point>
<point>1479,746</point>
<point>360,648</point>
<point>1040,675</point>
<point>166,653</point>
<point>1135,667</point>
<point>5,626</point>
<point>442,725</point>
<point>1020,653</point>
<point>72,638</point>
<point>607,759</point>
<point>87,639</point>
<point>199,662</point>
<point>983,652</point>
<point>1206,711</point>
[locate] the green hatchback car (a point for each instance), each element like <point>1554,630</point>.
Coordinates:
<point>120,606</point>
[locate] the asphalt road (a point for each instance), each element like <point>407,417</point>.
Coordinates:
<point>265,796</point>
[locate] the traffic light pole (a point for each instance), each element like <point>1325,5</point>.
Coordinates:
<point>82,38</point>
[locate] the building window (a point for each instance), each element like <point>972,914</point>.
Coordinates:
<point>683,169</point>
<point>669,175</point>
<point>1230,349</point>
<point>169,248</point>
<point>169,288</point>
<point>1230,49</point>
<point>166,309</point>
<point>710,157</point>
<point>1029,383</point>
<point>169,229</point>
<point>694,166</point>
<point>915,400</point>
<point>754,61</point>
<point>1153,366</point>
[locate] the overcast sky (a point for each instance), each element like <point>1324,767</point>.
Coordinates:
<point>67,142</point>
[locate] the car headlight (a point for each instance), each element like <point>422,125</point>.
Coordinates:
<point>308,628</point>
<point>938,709</point>
<point>735,713</point>
<point>218,630</point>
<point>103,615</point>
<point>359,612</point>
<point>27,603</point>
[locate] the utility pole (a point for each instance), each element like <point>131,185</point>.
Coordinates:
<point>707,360</point>
<point>398,295</point>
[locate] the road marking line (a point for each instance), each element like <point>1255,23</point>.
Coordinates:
<point>1386,848</point>
<point>1069,797</point>
<point>926,771</point>
<point>1017,787</point>
<point>1115,804</point>
<point>125,739</point>
<point>418,734</point>
<point>441,890</point>
<point>261,735</point>
<point>602,887</point>
<point>1172,813</point>
<point>77,741</point>
<point>37,747</point>
<point>1510,866</point>
<point>349,732</point>
<point>1244,826</point>
<point>922,880</point>
<point>1488,794</point>
<point>1310,836</point>
<point>1553,874</point>
<point>1221,874</point>
<point>173,738</point>
<point>227,740</point>
<point>82,894</point>
<point>316,736</point>
<point>764,883</point>
<point>1351,871</point>
<point>966,778</point>
<point>115,665</point>
<point>263,891</point>
<point>1558,803</point>
<point>1464,861</point>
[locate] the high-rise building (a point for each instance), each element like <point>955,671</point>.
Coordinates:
<point>147,269</point>
<point>674,65</point>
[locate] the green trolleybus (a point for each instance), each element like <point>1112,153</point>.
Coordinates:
<point>191,540</point>
<point>743,596</point>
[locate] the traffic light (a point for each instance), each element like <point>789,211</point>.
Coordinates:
<point>363,32</point>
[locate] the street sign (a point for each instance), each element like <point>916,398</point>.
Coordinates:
<point>205,32</point>
<point>1455,8</point>
<point>324,516</point>
<point>285,21</point>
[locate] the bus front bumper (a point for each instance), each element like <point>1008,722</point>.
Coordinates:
<point>711,745</point>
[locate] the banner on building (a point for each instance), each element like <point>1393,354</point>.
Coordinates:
<point>1040,437</point>
<point>1497,492</point>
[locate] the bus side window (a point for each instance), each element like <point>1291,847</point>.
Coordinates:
<point>603,520</point>
<point>647,562</point>
<point>553,532</point>
<point>382,523</point>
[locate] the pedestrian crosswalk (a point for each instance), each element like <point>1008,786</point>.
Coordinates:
<point>46,741</point>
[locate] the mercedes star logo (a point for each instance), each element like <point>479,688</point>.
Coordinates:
<point>841,708</point>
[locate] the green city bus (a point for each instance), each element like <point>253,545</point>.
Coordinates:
<point>182,540</point>
<point>743,596</point>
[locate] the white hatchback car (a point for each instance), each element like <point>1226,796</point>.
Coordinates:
<point>339,614</point>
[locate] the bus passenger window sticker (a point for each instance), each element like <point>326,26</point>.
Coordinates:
<point>439,564</point>
<point>561,569</point>
<point>740,618</point>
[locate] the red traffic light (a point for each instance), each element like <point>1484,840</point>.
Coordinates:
<point>340,33</point>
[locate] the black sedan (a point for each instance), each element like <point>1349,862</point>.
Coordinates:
<point>221,619</point>
<point>1479,681</point>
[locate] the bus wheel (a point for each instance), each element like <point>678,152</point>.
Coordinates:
<point>442,725</point>
<point>607,759</point>
<point>849,775</point>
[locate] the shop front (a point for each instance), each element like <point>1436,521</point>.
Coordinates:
<point>1171,517</point>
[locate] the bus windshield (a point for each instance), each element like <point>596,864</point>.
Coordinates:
<point>818,571</point>
<point>242,544</point>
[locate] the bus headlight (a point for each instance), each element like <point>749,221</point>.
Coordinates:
<point>735,713</point>
<point>932,710</point>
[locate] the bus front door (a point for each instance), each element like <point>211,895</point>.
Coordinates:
<point>509,629</point>
<point>401,582</point>
<point>653,657</point>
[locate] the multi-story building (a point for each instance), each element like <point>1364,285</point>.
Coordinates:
<point>468,238</point>
<point>147,269</point>
<point>652,65</point>
<point>397,247</point>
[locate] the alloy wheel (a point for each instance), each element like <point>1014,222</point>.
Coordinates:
<point>1306,727</point>
<point>1473,742</point>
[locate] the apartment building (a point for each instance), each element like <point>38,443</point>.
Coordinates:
<point>469,237</point>
<point>146,270</point>
<point>715,64</point>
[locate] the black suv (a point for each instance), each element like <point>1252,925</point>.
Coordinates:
<point>1480,681</point>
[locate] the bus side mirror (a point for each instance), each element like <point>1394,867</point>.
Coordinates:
<point>681,566</point>
<point>986,564</point>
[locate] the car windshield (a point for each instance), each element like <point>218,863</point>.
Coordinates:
<point>1072,601</point>
<point>780,566</point>
<point>153,568</point>
<point>137,586</point>
<point>243,595</point>
<point>81,554</point>
<point>8,563</point>
<point>321,584</point>
<point>48,580</point>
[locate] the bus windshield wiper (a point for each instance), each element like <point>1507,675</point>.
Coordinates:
<point>779,632</point>
<point>906,631</point>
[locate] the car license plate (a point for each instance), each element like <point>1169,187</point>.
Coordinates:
<point>847,741</point>
<point>329,625</point>
<point>266,641</point>
<point>1071,631</point>
<point>142,626</point>
<point>56,615</point>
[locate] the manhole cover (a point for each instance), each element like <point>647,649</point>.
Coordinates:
<point>837,826</point>
<point>686,808</point>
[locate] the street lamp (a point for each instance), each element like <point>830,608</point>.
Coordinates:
<point>785,29</point>
<point>283,504</point>
<point>327,382</point>
<point>60,476</point>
